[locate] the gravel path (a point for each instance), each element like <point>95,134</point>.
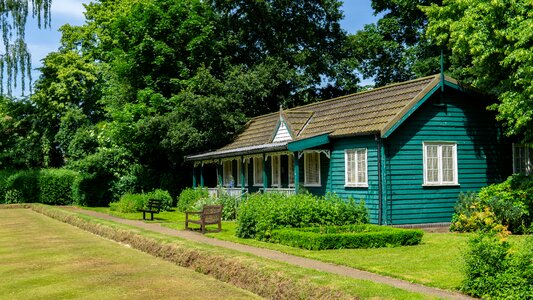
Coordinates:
<point>279,256</point>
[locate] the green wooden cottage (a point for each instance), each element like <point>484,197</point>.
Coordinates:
<point>407,149</point>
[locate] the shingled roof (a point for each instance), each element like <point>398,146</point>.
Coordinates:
<point>368,112</point>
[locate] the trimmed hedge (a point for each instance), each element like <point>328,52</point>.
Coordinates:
<point>346,237</point>
<point>262,213</point>
<point>49,186</point>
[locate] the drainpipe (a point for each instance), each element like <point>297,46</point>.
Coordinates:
<point>380,184</point>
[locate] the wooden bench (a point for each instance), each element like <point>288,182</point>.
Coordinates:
<point>153,207</point>
<point>210,214</point>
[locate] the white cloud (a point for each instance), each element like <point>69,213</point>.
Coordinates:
<point>69,8</point>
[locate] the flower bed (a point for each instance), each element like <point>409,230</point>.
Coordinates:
<point>346,237</point>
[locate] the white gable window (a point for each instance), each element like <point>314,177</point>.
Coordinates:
<point>312,168</point>
<point>440,163</point>
<point>522,159</point>
<point>291,170</point>
<point>276,171</point>
<point>282,135</point>
<point>227,178</point>
<point>240,164</point>
<point>258,171</point>
<point>356,168</point>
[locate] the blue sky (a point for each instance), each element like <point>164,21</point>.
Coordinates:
<point>41,42</point>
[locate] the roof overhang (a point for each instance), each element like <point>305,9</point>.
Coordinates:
<point>314,141</point>
<point>238,151</point>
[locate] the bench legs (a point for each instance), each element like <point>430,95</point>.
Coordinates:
<point>151,215</point>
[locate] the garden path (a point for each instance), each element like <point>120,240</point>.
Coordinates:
<point>283,257</point>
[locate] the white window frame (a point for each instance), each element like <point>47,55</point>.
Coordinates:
<point>525,159</point>
<point>258,165</point>
<point>275,162</point>
<point>227,167</point>
<point>240,164</point>
<point>355,168</point>
<point>306,181</point>
<point>290,162</point>
<point>440,181</point>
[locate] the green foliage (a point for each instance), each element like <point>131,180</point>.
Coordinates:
<point>129,203</point>
<point>48,186</point>
<point>189,196</point>
<point>262,213</point>
<point>346,237</point>
<point>490,44</point>
<point>55,186</point>
<point>495,271</point>
<point>508,205</point>
<point>395,48</point>
<point>164,196</point>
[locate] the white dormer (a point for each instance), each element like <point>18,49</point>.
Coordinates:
<point>282,135</point>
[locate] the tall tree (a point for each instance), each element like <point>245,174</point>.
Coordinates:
<point>16,59</point>
<point>492,48</point>
<point>395,48</point>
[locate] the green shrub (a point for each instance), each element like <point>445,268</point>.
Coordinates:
<point>189,196</point>
<point>162,195</point>
<point>508,204</point>
<point>346,237</point>
<point>494,270</point>
<point>26,183</point>
<point>261,213</point>
<point>4,175</point>
<point>55,186</point>
<point>129,203</point>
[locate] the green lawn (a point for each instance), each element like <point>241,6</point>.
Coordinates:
<point>45,259</point>
<point>435,262</point>
<point>357,288</point>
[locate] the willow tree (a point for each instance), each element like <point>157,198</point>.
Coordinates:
<point>15,59</point>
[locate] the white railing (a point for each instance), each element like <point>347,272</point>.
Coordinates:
<point>233,192</point>
<point>284,191</point>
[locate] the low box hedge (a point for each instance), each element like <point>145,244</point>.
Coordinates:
<point>346,237</point>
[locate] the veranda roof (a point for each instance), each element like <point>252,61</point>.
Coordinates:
<point>369,112</point>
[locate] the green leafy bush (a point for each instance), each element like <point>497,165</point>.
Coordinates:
<point>346,237</point>
<point>162,195</point>
<point>494,270</point>
<point>129,203</point>
<point>508,204</point>
<point>262,213</point>
<point>48,186</point>
<point>189,197</point>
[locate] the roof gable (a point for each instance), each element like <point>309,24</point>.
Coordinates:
<point>282,133</point>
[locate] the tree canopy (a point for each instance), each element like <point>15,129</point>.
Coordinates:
<point>491,44</point>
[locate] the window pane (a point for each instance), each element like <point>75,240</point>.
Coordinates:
<point>275,170</point>
<point>227,177</point>
<point>258,170</point>
<point>361,166</point>
<point>432,163</point>
<point>312,168</point>
<point>291,169</point>
<point>448,163</point>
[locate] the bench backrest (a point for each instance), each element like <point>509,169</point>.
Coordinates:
<point>212,213</point>
<point>155,204</point>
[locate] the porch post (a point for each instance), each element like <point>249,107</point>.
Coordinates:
<point>202,175</point>
<point>220,170</point>
<point>243,184</point>
<point>193,176</point>
<point>296,173</point>
<point>265,181</point>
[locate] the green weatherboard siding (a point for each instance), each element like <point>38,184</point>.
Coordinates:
<point>481,153</point>
<point>369,194</point>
